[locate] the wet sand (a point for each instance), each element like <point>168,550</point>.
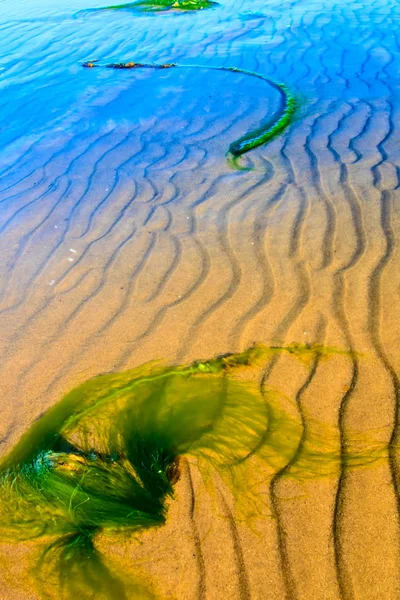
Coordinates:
<point>126,237</point>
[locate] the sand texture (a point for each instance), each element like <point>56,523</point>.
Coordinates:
<point>125,236</point>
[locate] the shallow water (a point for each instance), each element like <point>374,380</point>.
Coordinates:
<point>127,236</point>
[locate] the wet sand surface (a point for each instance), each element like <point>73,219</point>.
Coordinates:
<point>126,237</point>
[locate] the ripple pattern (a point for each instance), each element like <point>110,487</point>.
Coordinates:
<point>126,237</point>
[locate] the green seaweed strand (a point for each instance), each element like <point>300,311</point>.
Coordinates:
<point>251,140</point>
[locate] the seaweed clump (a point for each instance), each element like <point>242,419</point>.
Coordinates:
<point>152,6</point>
<point>105,459</point>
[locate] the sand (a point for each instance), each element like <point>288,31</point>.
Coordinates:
<point>126,237</point>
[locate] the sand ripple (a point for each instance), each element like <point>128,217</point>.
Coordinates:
<point>125,236</point>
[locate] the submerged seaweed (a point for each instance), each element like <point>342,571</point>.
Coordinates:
<point>106,457</point>
<point>250,140</point>
<point>149,6</point>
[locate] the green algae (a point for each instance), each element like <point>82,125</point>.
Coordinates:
<point>106,458</point>
<point>149,6</point>
<point>269,131</point>
<point>251,140</point>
